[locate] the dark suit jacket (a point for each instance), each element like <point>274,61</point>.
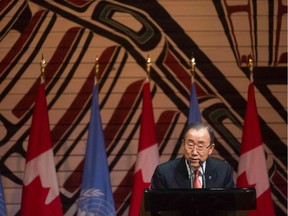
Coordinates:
<point>174,174</point>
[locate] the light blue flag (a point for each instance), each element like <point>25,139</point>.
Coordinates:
<point>2,201</point>
<point>96,194</point>
<point>194,111</point>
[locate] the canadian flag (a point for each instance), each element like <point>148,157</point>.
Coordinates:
<point>252,171</point>
<point>40,193</point>
<point>148,155</point>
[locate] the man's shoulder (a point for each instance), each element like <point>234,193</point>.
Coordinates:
<point>172,162</point>
<point>217,161</point>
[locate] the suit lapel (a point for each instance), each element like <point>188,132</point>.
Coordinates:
<point>182,177</point>
<point>210,174</point>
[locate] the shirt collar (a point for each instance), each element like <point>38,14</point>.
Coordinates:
<point>191,168</point>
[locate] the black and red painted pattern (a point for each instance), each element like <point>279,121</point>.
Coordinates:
<point>92,26</point>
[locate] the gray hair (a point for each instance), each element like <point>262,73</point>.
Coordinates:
<point>198,126</point>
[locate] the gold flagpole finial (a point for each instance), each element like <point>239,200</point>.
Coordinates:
<point>96,69</point>
<point>251,64</point>
<point>192,66</point>
<point>148,65</point>
<point>43,65</point>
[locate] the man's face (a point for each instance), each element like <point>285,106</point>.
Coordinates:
<point>196,145</point>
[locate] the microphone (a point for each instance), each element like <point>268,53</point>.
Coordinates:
<point>203,175</point>
<point>190,168</point>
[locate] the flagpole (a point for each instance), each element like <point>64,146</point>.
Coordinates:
<point>148,66</point>
<point>96,70</point>
<point>42,66</point>
<point>192,67</point>
<point>251,68</point>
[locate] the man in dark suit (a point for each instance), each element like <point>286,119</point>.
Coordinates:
<point>198,145</point>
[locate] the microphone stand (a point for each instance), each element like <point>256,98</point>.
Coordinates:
<point>203,175</point>
<point>191,173</point>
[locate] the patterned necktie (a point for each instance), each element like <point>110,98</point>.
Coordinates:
<point>196,182</point>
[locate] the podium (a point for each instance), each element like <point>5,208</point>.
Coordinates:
<point>208,201</point>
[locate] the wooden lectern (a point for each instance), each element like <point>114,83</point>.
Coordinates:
<point>208,201</point>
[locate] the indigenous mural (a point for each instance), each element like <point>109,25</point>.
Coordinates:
<point>219,34</point>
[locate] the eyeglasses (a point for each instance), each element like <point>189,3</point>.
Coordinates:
<point>199,148</point>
